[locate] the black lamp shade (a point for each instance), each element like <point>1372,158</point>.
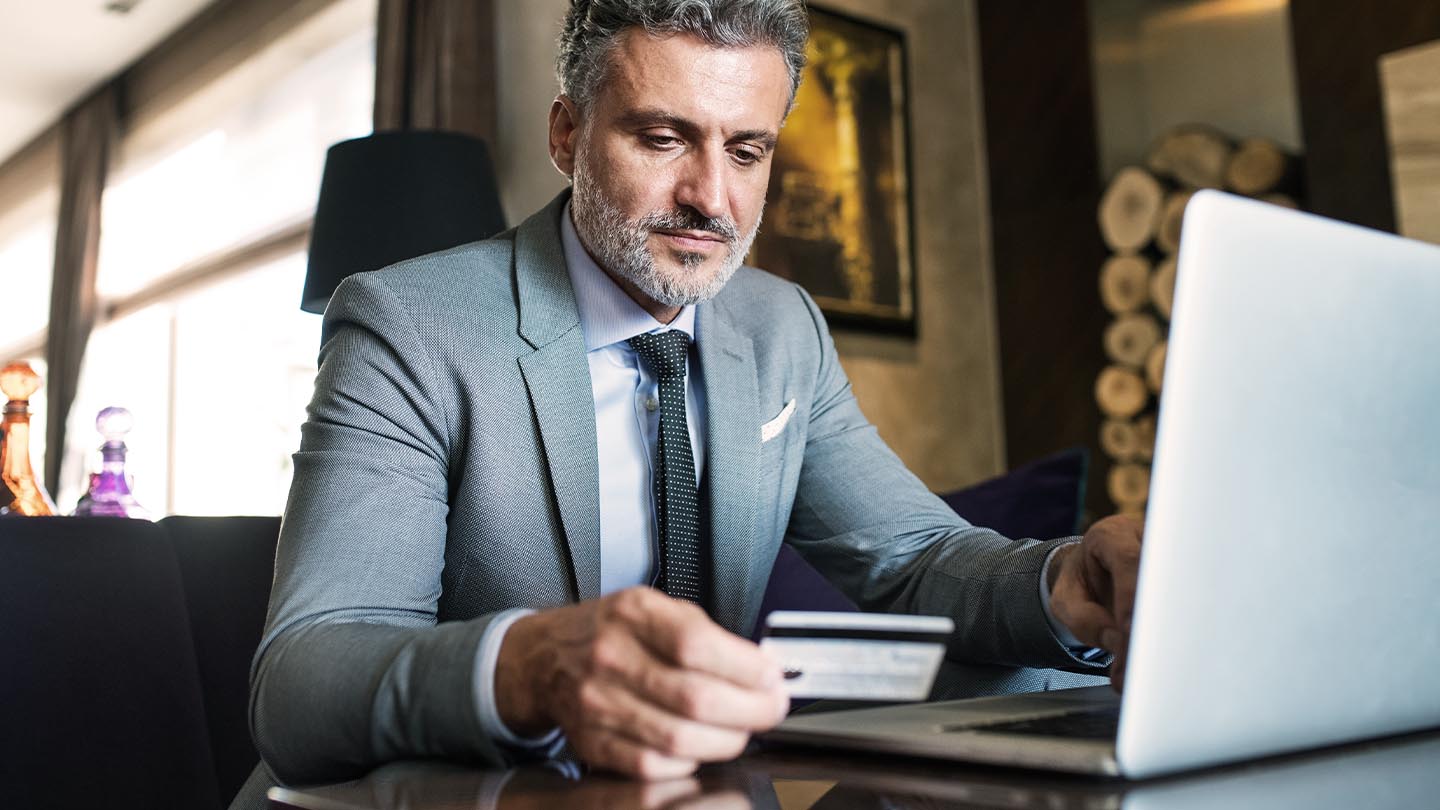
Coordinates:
<point>393,196</point>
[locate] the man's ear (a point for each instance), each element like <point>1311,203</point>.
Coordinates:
<point>564,130</point>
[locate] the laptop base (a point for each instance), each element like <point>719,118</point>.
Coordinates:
<point>956,730</point>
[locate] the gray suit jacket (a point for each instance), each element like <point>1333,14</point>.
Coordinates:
<point>448,470</point>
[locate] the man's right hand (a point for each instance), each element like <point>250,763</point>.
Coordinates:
<point>638,682</point>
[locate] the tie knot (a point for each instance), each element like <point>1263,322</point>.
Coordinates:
<point>663,353</point>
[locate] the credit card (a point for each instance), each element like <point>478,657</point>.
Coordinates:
<point>857,656</point>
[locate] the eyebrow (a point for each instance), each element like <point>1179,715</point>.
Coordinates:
<point>648,117</point>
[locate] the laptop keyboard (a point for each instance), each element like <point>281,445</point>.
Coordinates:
<point>1101,724</point>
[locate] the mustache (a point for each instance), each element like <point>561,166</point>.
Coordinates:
<point>688,219</point>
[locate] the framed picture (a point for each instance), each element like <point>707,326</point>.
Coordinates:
<point>838,211</point>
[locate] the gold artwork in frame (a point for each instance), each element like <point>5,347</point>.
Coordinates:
<point>838,210</point>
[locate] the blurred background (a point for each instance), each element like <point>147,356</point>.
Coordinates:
<point>160,162</point>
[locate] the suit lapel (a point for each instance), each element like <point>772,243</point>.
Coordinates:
<point>557,377</point>
<point>732,461</point>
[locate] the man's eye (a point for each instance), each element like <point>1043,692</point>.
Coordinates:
<point>746,156</point>
<point>661,141</point>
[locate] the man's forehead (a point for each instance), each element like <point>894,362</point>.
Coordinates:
<point>730,87</point>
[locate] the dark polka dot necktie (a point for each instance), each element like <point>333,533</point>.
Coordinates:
<point>677,503</point>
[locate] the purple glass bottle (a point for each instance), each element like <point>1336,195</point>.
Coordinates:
<point>109,494</point>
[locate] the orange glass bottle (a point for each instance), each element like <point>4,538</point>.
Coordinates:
<point>22,493</point>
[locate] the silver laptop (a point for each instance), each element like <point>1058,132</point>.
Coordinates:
<point>1289,592</point>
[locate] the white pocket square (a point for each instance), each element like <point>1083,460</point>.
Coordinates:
<point>771,429</point>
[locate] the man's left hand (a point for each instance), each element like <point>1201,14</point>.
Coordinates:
<point>1092,587</point>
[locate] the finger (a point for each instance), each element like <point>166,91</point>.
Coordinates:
<point>1118,550</point>
<point>709,700</point>
<point>681,633</point>
<point>1117,666</point>
<point>692,695</point>
<point>616,709</point>
<point>611,752</point>
<point>1072,605</point>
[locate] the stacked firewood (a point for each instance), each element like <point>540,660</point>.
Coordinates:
<point>1140,216</point>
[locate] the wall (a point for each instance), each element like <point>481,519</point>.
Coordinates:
<point>1412,124</point>
<point>1338,45</point>
<point>1043,179</point>
<point>1161,63</point>
<point>525,32</point>
<point>936,398</point>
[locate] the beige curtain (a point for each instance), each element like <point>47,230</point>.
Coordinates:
<point>435,66</point>
<point>87,136</point>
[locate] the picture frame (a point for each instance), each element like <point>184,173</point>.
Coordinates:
<point>839,210</point>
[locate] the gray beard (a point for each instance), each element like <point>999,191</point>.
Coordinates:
<point>620,245</point>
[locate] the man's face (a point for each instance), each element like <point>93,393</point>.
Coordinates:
<point>671,162</point>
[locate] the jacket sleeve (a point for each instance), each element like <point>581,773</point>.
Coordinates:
<point>353,669</point>
<point>876,531</point>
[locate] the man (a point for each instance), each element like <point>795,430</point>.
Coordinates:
<point>510,440</point>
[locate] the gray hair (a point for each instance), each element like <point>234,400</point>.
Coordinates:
<point>592,27</point>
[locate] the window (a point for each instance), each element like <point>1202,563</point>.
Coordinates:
<point>223,175</point>
<point>127,364</point>
<point>204,224</point>
<point>27,256</point>
<point>222,379</point>
<point>241,402</point>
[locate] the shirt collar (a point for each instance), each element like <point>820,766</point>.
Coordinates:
<point>607,313</point>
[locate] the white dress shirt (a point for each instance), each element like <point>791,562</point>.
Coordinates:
<point>626,426</point>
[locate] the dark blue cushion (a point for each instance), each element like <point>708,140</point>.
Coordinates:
<point>100,702</point>
<point>227,565</point>
<point>1041,500</point>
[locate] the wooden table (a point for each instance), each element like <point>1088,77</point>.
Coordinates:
<point>1396,773</point>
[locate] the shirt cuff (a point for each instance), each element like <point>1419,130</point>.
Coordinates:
<point>485,660</point>
<point>1061,632</point>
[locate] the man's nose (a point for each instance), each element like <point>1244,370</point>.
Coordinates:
<point>701,185</point>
